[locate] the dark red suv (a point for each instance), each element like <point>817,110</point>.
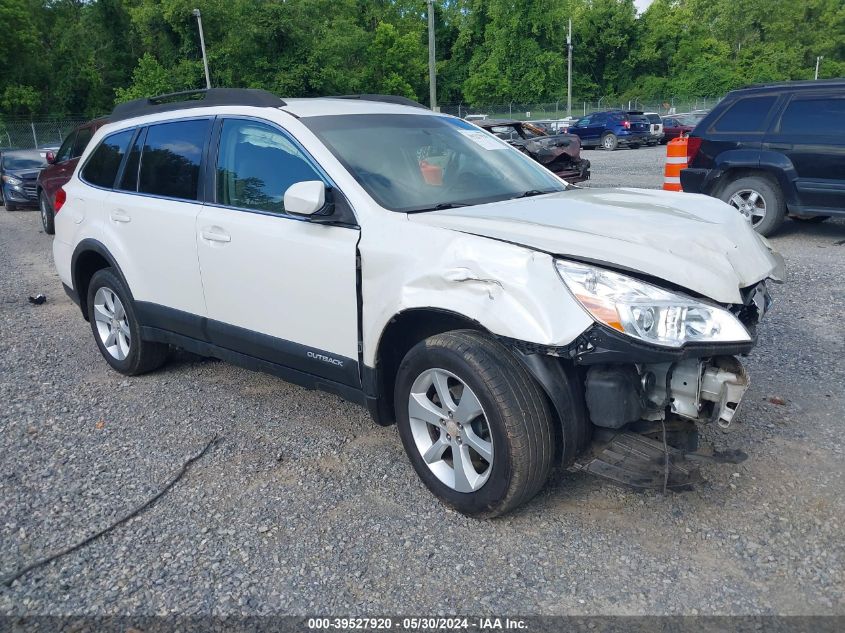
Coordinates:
<point>60,168</point>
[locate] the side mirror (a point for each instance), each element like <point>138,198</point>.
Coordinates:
<point>305,198</point>
<point>51,157</point>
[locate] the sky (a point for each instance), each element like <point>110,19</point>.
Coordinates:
<point>642,5</point>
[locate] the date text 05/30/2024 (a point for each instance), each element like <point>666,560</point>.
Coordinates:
<point>417,624</point>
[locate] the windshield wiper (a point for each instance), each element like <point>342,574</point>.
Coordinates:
<point>439,207</point>
<point>532,192</point>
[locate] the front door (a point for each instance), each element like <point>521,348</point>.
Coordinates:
<point>278,287</point>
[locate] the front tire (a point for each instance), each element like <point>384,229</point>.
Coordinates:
<point>759,199</point>
<point>474,423</point>
<point>47,215</point>
<point>117,332</point>
<point>609,141</point>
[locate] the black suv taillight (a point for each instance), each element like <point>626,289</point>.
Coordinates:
<point>693,145</point>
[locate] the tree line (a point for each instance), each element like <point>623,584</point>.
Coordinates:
<point>79,57</point>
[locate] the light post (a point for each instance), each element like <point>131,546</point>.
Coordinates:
<point>569,70</point>
<point>818,61</point>
<point>432,71</point>
<point>198,16</point>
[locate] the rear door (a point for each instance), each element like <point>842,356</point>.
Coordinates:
<point>590,128</point>
<point>150,223</point>
<point>57,174</point>
<point>279,287</point>
<point>811,134</point>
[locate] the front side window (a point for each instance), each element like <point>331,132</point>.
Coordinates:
<point>416,162</point>
<point>170,160</point>
<point>746,115</point>
<point>82,139</point>
<point>256,164</point>
<point>101,168</point>
<point>64,151</point>
<point>820,116</point>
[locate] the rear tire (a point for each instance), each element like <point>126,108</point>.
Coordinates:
<point>47,214</point>
<point>609,141</point>
<point>511,418</point>
<point>759,199</point>
<point>115,326</point>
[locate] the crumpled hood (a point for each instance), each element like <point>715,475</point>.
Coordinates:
<point>693,241</point>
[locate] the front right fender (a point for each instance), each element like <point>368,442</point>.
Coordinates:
<point>510,290</point>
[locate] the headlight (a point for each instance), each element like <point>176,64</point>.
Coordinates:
<point>12,180</point>
<point>647,312</point>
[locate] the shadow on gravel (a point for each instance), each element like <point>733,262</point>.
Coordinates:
<point>835,230</point>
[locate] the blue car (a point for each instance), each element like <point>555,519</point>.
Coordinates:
<point>18,173</point>
<point>612,128</point>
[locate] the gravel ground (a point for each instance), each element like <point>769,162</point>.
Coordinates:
<point>305,506</point>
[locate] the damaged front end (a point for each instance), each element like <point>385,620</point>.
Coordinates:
<point>655,368</point>
<point>560,154</point>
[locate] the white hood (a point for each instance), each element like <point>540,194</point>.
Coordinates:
<point>693,241</point>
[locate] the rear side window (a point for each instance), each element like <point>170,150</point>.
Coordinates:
<point>256,165</point>
<point>170,161</point>
<point>814,117</point>
<point>654,118</point>
<point>83,137</point>
<point>746,115</point>
<point>101,168</point>
<point>64,151</point>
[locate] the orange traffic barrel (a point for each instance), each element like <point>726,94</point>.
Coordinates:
<point>676,160</point>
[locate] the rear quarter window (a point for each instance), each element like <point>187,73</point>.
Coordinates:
<point>748,114</point>
<point>101,168</point>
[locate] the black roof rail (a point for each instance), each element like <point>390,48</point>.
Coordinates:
<point>800,83</point>
<point>195,99</point>
<point>396,99</point>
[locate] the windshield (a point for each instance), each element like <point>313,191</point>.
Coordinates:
<point>412,162</point>
<point>23,162</point>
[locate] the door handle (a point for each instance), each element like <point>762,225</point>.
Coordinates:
<point>119,215</point>
<point>215,234</point>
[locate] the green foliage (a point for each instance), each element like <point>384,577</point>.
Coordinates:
<point>62,57</point>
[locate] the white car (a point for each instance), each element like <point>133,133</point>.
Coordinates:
<point>412,263</point>
<point>656,127</point>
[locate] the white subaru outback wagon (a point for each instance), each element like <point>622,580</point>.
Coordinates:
<point>408,261</point>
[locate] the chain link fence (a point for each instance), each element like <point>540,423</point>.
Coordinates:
<point>557,109</point>
<point>26,134</point>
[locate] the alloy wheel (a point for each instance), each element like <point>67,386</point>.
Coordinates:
<point>750,204</point>
<point>450,430</point>
<point>112,323</point>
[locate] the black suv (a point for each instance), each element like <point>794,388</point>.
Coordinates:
<point>773,150</point>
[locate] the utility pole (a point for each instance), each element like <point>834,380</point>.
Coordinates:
<point>432,71</point>
<point>198,16</point>
<point>569,71</point>
<point>818,61</point>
